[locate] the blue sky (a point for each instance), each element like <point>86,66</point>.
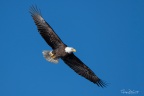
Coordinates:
<point>108,36</point>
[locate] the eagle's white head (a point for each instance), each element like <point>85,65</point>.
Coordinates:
<point>69,50</point>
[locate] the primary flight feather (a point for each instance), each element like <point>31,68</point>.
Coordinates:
<point>61,50</point>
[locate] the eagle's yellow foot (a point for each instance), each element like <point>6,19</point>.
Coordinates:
<point>52,55</point>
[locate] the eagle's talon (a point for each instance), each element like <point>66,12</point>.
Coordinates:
<point>52,55</point>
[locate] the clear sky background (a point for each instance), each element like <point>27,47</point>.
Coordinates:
<point>108,36</point>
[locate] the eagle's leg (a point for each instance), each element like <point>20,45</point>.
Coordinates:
<point>52,55</point>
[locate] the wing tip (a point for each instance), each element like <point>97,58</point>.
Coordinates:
<point>102,83</point>
<point>34,10</point>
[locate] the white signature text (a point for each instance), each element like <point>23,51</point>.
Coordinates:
<point>129,91</point>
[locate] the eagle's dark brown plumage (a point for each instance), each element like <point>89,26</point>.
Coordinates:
<point>58,47</point>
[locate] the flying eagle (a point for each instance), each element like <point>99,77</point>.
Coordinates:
<point>61,50</point>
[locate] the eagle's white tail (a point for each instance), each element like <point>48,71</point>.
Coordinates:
<point>46,54</point>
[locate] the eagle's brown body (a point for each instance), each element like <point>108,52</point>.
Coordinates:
<point>60,52</point>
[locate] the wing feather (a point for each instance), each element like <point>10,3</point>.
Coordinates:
<point>45,29</point>
<point>80,68</point>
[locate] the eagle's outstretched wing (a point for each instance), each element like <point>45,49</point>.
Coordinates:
<point>45,29</point>
<point>79,67</point>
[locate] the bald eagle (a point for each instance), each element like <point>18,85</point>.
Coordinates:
<point>61,50</point>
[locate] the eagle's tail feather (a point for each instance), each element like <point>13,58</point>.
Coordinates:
<point>47,56</point>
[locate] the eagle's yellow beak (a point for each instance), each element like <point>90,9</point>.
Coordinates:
<point>73,50</point>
